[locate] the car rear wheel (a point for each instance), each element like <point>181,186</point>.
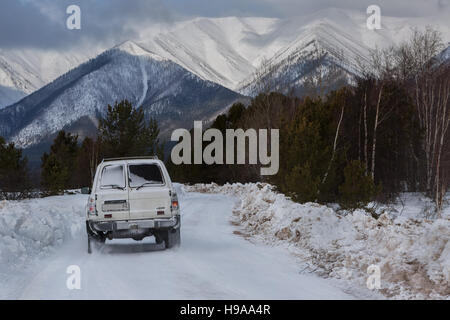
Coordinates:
<point>158,238</point>
<point>92,236</point>
<point>171,238</point>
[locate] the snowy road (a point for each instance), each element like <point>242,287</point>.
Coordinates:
<point>212,263</point>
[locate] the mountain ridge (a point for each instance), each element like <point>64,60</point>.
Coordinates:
<point>192,71</point>
<point>226,50</point>
<point>166,91</point>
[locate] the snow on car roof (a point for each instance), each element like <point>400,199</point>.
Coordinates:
<point>132,158</point>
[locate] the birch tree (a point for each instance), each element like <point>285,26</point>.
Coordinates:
<point>417,63</point>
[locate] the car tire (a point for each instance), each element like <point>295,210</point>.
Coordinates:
<point>171,238</point>
<point>158,238</point>
<point>92,236</point>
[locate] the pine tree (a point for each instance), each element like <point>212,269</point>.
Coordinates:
<point>14,175</point>
<point>86,163</point>
<point>58,166</point>
<point>125,132</point>
<point>306,145</point>
<point>358,188</point>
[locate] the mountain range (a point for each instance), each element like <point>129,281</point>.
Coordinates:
<point>167,92</point>
<point>191,70</point>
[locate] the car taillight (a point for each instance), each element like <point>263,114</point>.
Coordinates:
<point>174,199</point>
<point>91,206</point>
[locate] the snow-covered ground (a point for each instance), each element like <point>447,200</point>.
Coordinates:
<point>412,252</point>
<point>40,238</point>
<point>238,242</point>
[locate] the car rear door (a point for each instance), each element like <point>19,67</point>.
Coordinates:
<point>112,193</point>
<point>149,193</point>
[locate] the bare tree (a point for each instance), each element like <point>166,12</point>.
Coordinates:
<point>430,89</point>
<point>439,113</point>
<point>376,73</point>
<point>333,152</point>
<point>366,157</point>
<point>375,127</point>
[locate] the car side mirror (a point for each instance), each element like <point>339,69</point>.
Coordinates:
<point>86,190</point>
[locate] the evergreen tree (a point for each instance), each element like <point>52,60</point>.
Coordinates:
<point>358,188</point>
<point>305,152</point>
<point>58,166</point>
<point>125,132</point>
<point>14,175</point>
<point>86,163</point>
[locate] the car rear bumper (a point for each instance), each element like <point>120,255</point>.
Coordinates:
<point>152,224</point>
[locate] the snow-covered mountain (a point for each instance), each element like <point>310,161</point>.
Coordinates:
<point>444,57</point>
<point>176,68</point>
<point>27,70</point>
<point>168,92</point>
<point>223,50</point>
<point>230,50</point>
<point>322,49</point>
<point>9,95</point>
<point>330,39</point>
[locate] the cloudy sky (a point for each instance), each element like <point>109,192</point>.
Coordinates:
<point>42,23</point>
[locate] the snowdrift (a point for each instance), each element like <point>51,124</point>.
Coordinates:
<point>413,254</point>
<point>32,228</point>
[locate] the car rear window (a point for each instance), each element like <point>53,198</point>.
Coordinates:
<point>144,175</point>
<point>112,177</point>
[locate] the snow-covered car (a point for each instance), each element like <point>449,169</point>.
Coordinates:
<point>133,198</point>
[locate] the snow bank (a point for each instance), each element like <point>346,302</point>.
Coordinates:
<point>32,228</point>
<point>413,254</point>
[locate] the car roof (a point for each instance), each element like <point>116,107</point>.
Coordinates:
<point>131,160</point>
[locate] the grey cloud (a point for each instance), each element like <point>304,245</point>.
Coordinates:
<point>289,8</point>
<point>398,8</point>
<point>222,8</point>
<point>29,23</point>
<point>41,23</point>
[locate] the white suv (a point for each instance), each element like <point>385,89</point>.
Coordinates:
<point>133,198</point>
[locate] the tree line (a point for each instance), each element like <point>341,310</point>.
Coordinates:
<point>386,133</point>
<point>71,163</point>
